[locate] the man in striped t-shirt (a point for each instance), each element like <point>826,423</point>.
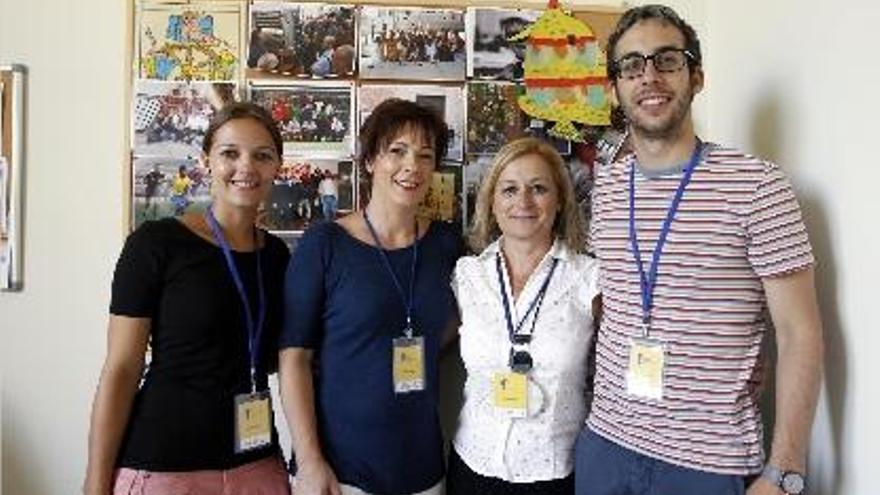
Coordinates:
<point>695,240</point>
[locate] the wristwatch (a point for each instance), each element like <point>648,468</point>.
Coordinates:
<point>790,482</point>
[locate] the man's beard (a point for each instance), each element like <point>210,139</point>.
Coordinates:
<point>664,129</point>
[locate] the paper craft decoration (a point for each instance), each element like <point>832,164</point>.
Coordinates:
<point>565,74</point>
<point>183,43</point>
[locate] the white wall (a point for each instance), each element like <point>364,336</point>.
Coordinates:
<point>794,84</point>
<point>53,333</point>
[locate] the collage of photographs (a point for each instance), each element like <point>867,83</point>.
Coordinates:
<point>320,69</point>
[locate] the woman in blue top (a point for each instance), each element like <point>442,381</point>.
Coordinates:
<point>367,301</point>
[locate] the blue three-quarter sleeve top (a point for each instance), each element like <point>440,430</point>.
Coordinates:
<point>341,301</point>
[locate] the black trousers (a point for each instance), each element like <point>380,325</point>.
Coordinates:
<point>462,480</point>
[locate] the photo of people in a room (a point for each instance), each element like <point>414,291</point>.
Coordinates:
<point>301,40</point>
<point>313,118</point>
<point>306,191</point>
<point>171,117</point>
<point>411,43</point>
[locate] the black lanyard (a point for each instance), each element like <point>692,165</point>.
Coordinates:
<point>517,338</point>
<point>254,328</point>
<point>407,302</point>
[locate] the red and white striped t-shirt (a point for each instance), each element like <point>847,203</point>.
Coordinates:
<point>738,222</point>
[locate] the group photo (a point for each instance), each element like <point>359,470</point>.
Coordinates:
<point>438,247</point>
<point>308,191</point>
<point>301,40</point>
<point>425,204</point>
<point>411,43</point>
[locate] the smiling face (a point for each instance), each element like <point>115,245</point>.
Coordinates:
<point>401,173</point>
<point>657,104</point>
<point>243,161</point>
<point>526,199</point>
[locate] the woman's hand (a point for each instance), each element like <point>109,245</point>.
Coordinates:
<point>315,477</point>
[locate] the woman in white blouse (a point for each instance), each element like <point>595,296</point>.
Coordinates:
<point>527,306</point>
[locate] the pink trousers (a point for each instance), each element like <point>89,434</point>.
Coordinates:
<point>263,477</point>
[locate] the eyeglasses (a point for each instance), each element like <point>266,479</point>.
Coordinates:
<point>669,59</point>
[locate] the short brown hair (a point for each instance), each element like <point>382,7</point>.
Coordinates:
<point>569,224</point>
<point>390,118</point>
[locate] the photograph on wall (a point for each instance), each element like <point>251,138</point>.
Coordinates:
<point>444,200</point>
<point>475,169</point>
<point>314,118</point>
<point>193,42</point>
<point>301,40</point>
<point>494,118</point>
<point>491,53</point>
<point>307,191</point>
<point>411,43</point>
<point>447,101</point>
<point>170,118</point>
<point>167,186</point>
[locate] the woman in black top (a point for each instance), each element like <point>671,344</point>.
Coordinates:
<point>204,290</point>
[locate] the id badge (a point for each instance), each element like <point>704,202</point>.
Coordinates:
<point>253,421</point>
<point>510,393</point>
<point>644,377</point>
<point>408,364</point>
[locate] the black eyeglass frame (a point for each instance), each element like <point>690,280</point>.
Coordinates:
<point>689,59</point>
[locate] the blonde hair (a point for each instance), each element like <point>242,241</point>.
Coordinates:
<point>569,226</point>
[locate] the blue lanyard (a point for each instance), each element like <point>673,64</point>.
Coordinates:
<point>648,281</point>
<point>254,328</point>
<point>513,332</point>
<point>407,302</point>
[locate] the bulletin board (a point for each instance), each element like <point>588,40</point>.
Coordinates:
<point>320,68</point>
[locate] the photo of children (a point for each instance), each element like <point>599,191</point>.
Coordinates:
<point>491,53</point>
<point>170,118</point>
<point>313,118</point>
<point>447,101</point>
<point>411,43</point>
<point>308,191</point>
<point>300,40</point>
<point>182,43</point>
<point>166,186</point>
<point>444,200</point>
